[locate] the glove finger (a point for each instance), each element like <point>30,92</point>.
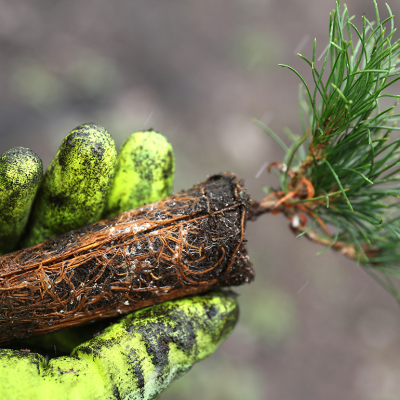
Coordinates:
<point>135,358</point>
<point>144,172</point>
<point>75,186</point>
<point>21,171</point>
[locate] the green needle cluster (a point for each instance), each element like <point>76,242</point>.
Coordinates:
<point>349,148</point>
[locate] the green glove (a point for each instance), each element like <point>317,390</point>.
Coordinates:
<point>139,355</point>
<point>21,171</point>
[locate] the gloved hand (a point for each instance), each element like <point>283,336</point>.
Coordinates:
<point>139,355</point>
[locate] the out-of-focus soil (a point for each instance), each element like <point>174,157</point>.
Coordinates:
<point>312,327</point>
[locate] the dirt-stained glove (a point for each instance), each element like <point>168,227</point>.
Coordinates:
<point>139,355</point>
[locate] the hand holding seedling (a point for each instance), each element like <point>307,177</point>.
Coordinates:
<point>140,354</point>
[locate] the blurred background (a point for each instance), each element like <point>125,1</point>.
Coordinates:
<point>312,327</point>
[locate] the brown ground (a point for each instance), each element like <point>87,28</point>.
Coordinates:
<point>312,327</point>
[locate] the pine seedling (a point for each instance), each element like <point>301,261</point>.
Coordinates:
<point>340,179</point>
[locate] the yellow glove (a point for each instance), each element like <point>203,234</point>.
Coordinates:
<point>141,354</point>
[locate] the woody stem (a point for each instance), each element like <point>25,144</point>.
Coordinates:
<point>265,206</point>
